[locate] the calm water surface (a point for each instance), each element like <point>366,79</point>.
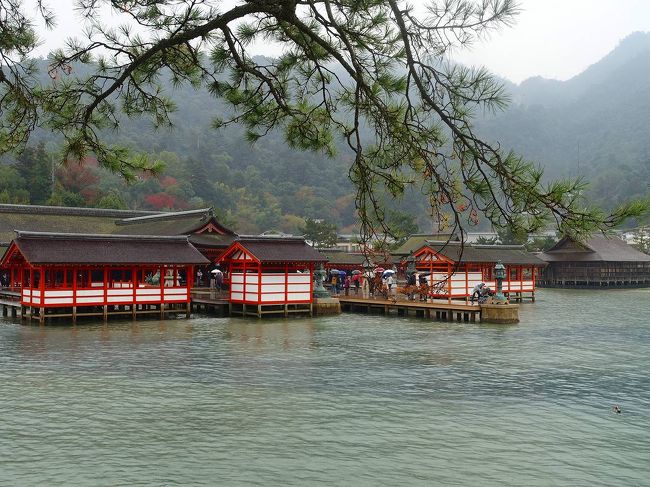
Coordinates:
<point>347,400</point>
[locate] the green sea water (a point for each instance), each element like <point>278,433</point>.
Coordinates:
<point>347,400</point>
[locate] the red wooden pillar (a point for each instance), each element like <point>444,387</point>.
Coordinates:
<point>244,280</point>
<point>161,283</point>
<point>74,287</point>
<point>189,270</point>
<point>286,282</point>
<point>466,282</point>
<point>430,270</point>
<point>42,286</point>
<point>534,276</point>
<point>134,278</point>
<point>42,283</point>
<point>259,284</point>
<point>105,286</point>
<point>31,285</point>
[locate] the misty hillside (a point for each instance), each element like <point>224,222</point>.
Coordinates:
<point>594,125</point>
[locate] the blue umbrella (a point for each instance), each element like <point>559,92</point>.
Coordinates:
<point>387,272</point>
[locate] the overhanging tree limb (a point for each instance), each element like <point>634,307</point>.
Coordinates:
<point>371,73</point>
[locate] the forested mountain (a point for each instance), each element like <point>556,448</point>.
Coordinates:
<point>594,125</point>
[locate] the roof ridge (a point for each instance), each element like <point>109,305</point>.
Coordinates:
<point>97,236</point>
<point>169,215</point>
<point>499,246</point>
<point>269,238</point>
<point>71,210</point>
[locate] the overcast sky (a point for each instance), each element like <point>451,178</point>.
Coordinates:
<point>551,38</point>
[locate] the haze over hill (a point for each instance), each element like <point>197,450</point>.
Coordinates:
<point>594,125</point>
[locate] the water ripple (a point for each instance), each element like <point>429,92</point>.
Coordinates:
<point>349,400</point>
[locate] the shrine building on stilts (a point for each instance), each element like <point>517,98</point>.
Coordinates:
<point>73,275</point>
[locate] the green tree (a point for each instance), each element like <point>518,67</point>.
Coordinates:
<point>372,73</point>
<point>63,197</point>
<point>34,165</point>
<point>320,233</point>
<point>12,186</point>
<point>112,199</point>
<point>402,225</point>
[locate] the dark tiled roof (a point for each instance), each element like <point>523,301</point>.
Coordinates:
<point>472,253</point>
<point>59,248</point>
<point>212,240</point>
<point>74,211</point>
<point>595,249</point>
<point>171,223</point>
<point>274,249</point>
<point>58,219</point>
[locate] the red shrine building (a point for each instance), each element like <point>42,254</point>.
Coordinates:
<point>453,269</point>
<point>64,274</point>
<point>271,275</point>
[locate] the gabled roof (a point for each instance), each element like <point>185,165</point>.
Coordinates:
<point>212,240</point>
<point>67,248</point>
<point>276,249</point>
<point>174,223</point>
<point>416,241</point>
<point>484,254</point>
<point>595,249</point>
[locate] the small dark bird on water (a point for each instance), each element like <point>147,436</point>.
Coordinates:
<point>616,408</point>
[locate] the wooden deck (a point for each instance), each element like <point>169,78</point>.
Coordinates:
<point>216,303</point>
<point>205,300</point>
<point>10,303</point>
<point>442,310</point>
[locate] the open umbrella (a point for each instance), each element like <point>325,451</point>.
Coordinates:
<point>334,271</point>
<point>216,271</point>
<point>378,270</point>
<point>355,272</point>
<point>387,272</point>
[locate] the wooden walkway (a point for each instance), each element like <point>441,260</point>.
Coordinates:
<point>439,310</point>
<point>216,303</point>
<point>209,301</point>
<point>10,302</point>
